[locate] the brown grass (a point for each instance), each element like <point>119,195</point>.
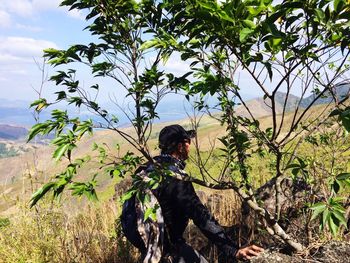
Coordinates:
<point>50,234</point>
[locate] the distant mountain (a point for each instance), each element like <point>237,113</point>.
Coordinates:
<point>172,108</point>
<point>15,112</point>
<point>260,107</point>
<point>10,132</point>
<point>16,116</point>
<point>292,101</point>
<point>340,92</point>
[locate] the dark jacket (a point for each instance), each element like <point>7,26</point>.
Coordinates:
<point>179,203</point>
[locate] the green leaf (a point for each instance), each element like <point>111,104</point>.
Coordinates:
<point>149,213</point>
<point>116,173</point>
<point>332,226</point>
<point>224,16</point>
<point>325,218</point>
<point>128,195</point>
<point>249,23</point>
<point>149,44</point>
<point>346,123</point>
<point>40,104</point>
<point>40,193</point>
<point>345,118</point>
<point>91,195</point>
<point>335,112</point>
<point>269,69</point>
<point>338,4</point>
<point>336,186</point>
<point>340,216</point>
<point>343,176</point>
<point>318,209</point>
<point>86,189</point>
<point>60,151</point>
<point>244,34</point>
<point>36,129</point>
<point>254,11</point>
<point>293,165</point>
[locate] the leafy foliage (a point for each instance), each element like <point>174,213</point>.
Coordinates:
<point>292,46</point>
<point>331,214</point>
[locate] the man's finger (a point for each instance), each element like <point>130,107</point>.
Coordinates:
<point>256,248</point>
<point>252,252</point>
<point>247,257</point>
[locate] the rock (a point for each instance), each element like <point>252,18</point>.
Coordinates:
<point>270,256</point>
<point>121,188</point>
<point>331,252</point>
<point>334,251</point>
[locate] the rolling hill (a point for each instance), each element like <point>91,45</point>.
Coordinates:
<point>36,165</point>
<point>260,107</point>
<point>10,132</point>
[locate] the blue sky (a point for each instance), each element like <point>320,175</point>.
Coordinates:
<point>26,28</point>
<point>29,26</point>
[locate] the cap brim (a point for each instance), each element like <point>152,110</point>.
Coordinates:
<point>191,133</point>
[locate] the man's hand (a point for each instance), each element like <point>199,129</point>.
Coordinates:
<point>248,252</point>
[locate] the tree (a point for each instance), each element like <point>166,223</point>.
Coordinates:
<point>121,27</point>
<point>298,47</point>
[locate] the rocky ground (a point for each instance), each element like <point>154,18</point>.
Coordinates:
<point>331,252</point>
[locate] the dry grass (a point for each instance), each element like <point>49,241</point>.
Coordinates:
<point>58,233</point>
<point>64,233</point>
<point>50,234</point>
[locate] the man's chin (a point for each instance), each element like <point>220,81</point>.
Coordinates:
<point>184,158</point>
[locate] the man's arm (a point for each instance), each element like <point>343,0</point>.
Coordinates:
<point>200,215</point>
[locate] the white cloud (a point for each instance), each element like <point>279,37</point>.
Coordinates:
<point>5,19</point>
<point>8,59</point>
<point>18,7</point>
<point>45,4</point>
<point>177,65</point>
<point>76,14</point>
<point>27,8</point>
<point>17,54</point>
<point>24,47</point>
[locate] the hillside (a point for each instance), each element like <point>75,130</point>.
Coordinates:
<point>260,107</point>
<point>340,92</point>
<point>10,132</point>
<point>21,175</point>
<point>35,166</point>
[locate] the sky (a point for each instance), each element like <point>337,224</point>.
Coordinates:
<point>29,26</point>
<point>26,28</point>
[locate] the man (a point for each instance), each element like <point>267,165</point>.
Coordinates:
<point>179,203</point>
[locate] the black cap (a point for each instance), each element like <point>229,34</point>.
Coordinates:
<point>171,135</point>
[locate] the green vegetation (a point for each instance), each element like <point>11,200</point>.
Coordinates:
<point>49,230</point>
<point>4,222</point>
<point>299,47</point>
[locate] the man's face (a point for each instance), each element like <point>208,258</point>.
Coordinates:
<point>184,149</point>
